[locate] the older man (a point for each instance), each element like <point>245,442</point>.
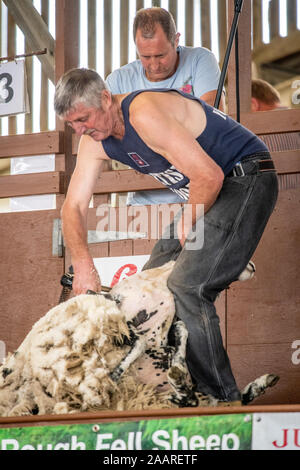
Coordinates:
<point>202,155</point>
<point>163,63</point>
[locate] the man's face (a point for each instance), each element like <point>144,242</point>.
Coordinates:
<point>158,56</point>
<point>90,121</point>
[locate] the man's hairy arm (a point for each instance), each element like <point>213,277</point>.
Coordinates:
<point>74,213</point>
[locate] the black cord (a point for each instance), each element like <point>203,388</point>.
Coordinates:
<point>237,78</point>
<point>238,4</point>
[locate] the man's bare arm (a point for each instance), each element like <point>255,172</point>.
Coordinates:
<point>90,158</point>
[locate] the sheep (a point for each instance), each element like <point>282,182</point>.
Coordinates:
<point>100,352</point>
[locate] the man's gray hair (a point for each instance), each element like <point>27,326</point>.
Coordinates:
<point>147,19</point>
<point>78,86</point>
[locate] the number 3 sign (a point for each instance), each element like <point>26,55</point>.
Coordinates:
<point>13,88</point>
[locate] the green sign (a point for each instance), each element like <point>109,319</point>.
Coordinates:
<point>224,432</point>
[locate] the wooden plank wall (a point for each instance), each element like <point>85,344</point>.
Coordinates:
<point>207,32</point>
<point>109,38</point>
<point>262,323</point>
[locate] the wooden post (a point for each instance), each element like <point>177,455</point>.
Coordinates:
<point>124,34</point>
<point>29,73</point>
<point>257,24</point>
<point>292,15</point>
<point>189,24</point>
<point>205,24</point>
<point>108,37</point>
<point>173,9</point>
<point>274,19</point>
<point>0,50</point>
<point>11,50</point>
<point>92,34</point>
<point>139,5</point>
<point>222,25</point>
<point>44,83</point>
<point>66,57</point>
<point>244,37</point>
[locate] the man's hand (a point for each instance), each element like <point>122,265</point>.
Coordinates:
<point>85,278</point>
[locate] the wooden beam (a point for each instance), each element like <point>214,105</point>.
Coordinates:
<point>189,24</point>
<point>245,72</point>
<point>222,24</point>
<point>272,122</point>
<point>11,50</point>
<point>119,181</point>
<point>205,24</point>
<point>92,34</point>
<point>113,415</point>
<point>43,143</point>
<point>35,30</point>
<point>279,48</point>
<point>108,37</point>
<point>257,24</point>
<point>130,180</point>
<point>66,57</point>
<point>50,182</point>
<point>124,33</point>
<point>287,162</point>
<point>67,37</point>
<point>274,19</point>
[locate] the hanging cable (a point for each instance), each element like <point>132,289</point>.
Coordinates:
<point>237,10</point>
<point>237,78</point>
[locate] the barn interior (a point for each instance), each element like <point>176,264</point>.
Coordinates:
<point>260,318</point>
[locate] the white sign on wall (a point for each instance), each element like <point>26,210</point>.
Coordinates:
<point>13,88</point>
<point>2,351</point>
<point>276,431</point>
<point>114,269</point>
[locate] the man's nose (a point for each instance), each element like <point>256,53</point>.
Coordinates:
<point>79,128</point>
<point>154,63</point>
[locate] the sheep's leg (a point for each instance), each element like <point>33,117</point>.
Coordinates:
<point>257,387</point>
<point>178,374</point>
<point>138,348</point>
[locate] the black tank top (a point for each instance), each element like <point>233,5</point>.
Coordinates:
<point>226,141</point>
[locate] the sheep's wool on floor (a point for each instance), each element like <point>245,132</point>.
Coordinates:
<point>63,364</point>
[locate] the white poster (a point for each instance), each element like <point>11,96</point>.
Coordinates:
<point>276,431</point>
<point>13,88</point>
<point>2,351</point>
<point>35,164</point>
<point>114,269</point>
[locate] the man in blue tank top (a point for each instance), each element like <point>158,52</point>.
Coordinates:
<point>220,169</point>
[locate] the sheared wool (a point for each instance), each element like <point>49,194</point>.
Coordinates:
<point>64,363</point>
<point>94,353</point>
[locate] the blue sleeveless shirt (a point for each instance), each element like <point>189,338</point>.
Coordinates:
<point>223,139</point>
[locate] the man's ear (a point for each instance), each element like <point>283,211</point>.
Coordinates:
<point>106,100</point>
<point>254,104</point>
<point>177,39</point>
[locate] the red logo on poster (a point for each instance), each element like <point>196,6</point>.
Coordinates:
<point>132,269</point>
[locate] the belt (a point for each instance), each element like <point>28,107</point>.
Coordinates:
<point>252,167</point>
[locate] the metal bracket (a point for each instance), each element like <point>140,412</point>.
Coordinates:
<point>94,236</point>
<point>57,239</point>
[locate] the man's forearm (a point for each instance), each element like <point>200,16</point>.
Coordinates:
<point>74,226</point>
<point>201,199</point>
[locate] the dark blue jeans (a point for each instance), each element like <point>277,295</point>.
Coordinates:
<point>232,230</point>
